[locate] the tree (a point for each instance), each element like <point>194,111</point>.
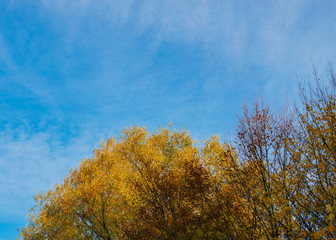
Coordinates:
<point>142,186</point>
<point>263,171</point>
<point>287,166</point>
<point>313,154</point>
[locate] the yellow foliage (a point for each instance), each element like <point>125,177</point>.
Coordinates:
<point>143,186</point>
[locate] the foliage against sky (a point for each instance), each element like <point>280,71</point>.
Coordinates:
<point>276,180</point>
<point>75,72</point>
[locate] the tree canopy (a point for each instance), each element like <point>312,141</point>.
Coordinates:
<point>275,180</point>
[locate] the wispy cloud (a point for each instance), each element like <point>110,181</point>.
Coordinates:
<point>278,37</point>
<point>33,161</point>
<point>231,25</point>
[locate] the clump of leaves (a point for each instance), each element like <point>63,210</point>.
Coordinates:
<point>142,186</point>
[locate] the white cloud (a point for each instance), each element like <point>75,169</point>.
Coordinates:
<point>264,33</point>
<point>34,161</point>
<point>233,34</point>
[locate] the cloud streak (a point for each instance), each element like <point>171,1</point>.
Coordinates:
<point>34,161</point>
<point>275,28</point>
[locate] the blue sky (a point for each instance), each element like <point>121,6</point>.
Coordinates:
<point>75,72</point>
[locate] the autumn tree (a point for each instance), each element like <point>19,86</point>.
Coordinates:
<point>143,186</point>
<point>314,156</point>
<point>263,170</point>
<point>286,168</point>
